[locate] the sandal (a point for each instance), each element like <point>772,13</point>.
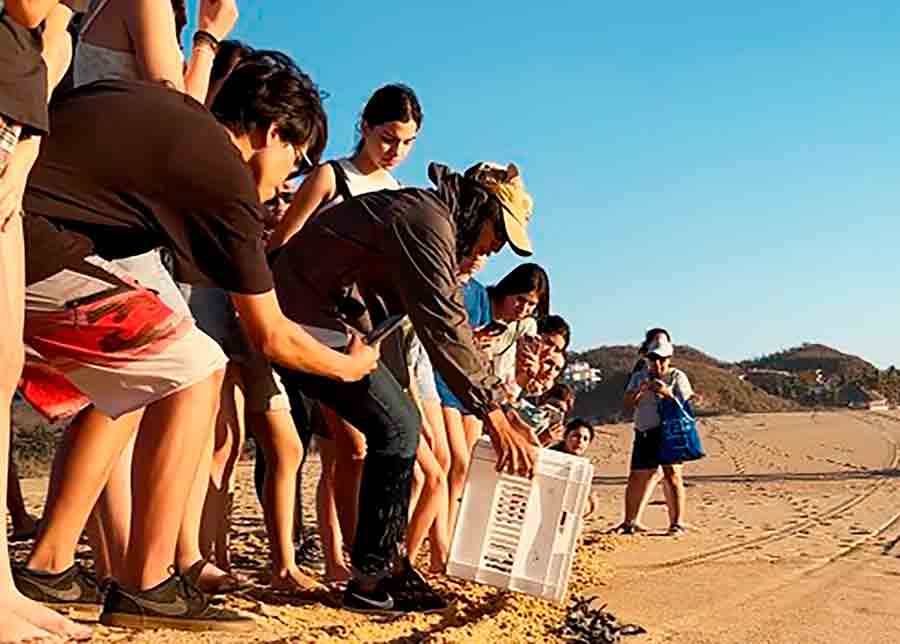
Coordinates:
<point>676,530</point>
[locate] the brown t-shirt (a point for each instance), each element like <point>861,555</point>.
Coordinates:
<point>398,247</point>
<point>132,166</point>
<point>23,76</point>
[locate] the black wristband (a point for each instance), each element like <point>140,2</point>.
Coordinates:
<point>201,37</point>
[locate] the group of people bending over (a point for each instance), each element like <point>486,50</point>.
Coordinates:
<point>164,286</point>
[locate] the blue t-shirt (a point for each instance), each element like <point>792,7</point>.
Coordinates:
<point>478,308</point>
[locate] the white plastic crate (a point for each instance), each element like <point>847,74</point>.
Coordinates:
<point>520,534</point>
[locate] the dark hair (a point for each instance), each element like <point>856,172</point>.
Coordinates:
<point>230,54</point>
<point>181,20</point>
<point>259,92</point>
<point>578,423</point>
<point>555,325</point>
<point>561,392</point>
<point>476,206</point>
<point>524,278</point>
<point>394,102</point>
<point>648,338</point>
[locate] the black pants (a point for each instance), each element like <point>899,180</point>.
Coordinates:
<point>379,408</point>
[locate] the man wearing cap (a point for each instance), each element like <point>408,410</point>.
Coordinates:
<point>400,251</point>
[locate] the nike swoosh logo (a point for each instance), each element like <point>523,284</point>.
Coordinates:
<point>176,608</point>
<point>385,605</point>
<point>71,594</point>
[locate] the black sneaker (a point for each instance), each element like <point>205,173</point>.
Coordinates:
<point>175,603</point>
<point>73,592</point>
<point>411,593</point>
<point>376,602</point>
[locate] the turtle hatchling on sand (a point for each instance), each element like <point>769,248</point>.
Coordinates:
<point>586,625</point>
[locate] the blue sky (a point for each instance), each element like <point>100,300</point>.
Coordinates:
<point>730,173</point>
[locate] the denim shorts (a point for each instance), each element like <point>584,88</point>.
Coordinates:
<point>645,453</point>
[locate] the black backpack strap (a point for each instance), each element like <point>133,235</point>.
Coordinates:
<point>340,180</point>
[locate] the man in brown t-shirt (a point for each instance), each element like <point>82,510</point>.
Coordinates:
<point>134,166</point>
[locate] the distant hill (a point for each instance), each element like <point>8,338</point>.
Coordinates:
<point>716,381</point>
<point>622,357</point>
<point>810,357</point>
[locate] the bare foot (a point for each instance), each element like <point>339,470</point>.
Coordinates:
<point>338,575</point>
<point>295,581</point>
<point>212,580</point>
<point>14,630</point>
<point>18,612</point>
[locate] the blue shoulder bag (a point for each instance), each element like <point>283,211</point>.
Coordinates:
<point>679,441</point>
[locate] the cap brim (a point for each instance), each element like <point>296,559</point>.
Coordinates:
<point>516,235</point>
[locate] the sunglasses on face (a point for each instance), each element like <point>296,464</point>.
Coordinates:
<point>304,165</point>
<point>655,358</point>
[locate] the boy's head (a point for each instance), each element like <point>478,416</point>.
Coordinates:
<point>275,111</point>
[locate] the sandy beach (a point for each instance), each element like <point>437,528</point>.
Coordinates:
<point>795,538</point>
<point>796,533</point>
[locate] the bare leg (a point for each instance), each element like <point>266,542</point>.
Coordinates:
<point>230,433</point>
<point>110,523</point>
<point>99,543</point>
<point>675,496</point>
<point>635,493</point>
<point>189,550</point>
<point>430,509</point>
<point>87,454</point>
<point>648,493</point>
<point>329,527</point>
<point>22,522</point>
<point>21,619</point>
<point>350,454</point>
<point>277,435</point>
<point>437,438</point>
<point>170,442</point>
<point>418,482</point>
<point>459,462</point>
<point>473,428</point>
<point>440,529</point>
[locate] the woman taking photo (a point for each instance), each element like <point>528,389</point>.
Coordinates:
<point>499,315</point>
<point>658,380</point>
<point>516,300</point>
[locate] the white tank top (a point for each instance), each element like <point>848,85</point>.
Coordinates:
<point>359,183</point>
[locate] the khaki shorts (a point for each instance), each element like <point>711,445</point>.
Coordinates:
<point>93,335</point>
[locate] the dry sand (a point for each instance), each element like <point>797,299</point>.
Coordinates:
<point>795,538</point>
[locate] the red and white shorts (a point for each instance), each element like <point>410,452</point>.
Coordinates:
<point>94,335</point>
